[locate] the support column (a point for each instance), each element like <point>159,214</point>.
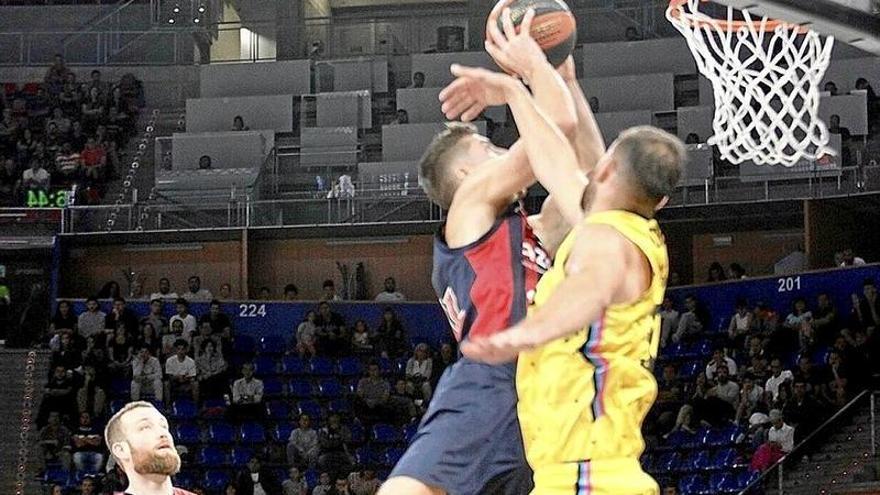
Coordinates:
<point>290,30</point>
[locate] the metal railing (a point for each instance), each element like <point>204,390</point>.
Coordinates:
<point>152,47</point>
<point>775,475</point>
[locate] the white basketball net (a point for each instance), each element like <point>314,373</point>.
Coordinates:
<point>765,84</point>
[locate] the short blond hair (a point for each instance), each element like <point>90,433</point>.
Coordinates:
<point>113,433</point>
<point>435,174</point>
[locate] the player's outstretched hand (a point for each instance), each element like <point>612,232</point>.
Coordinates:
<point>514,49</point>
<point>473,90</point>
<point>503,347</point>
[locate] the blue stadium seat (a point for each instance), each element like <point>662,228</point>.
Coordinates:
<point>56,475</point>
<point>330,388</point>
<point>281,432</point>
<point>358,436</point>
<point>691,369</point>
<point>300,388</point>
<point>384,365</point>
<point>265,366</point>
<point>272,345</point>
<point>704,348</point>
<point>184,409</point>
<point>312,409</point>
<point>311,476</point>
<point>186,478</point>
<point>687,462</point>
<point>723,437</point>
<point>724,459</point>
<point>187,434</point>
<point>400,366</point>
<point>294,366</point>
<point>391,456</point>
<point>213,409</point>
<point>321,366</point>
<point>277,409</point>
<point>702,461</point>
<point>339,406</point>
<point>730,484</point>
<point>252,433</point>
<point>668,462</point>
<point>746,478</point>
<point>116,405</point>
<point>221,432</point>
<point>680,440</point>
<point>717,482</point>
<point>240,456</point>
<point>212,456</point>
<point>349,367</point>
<point>120,387</point>
<point>383,433</point>
<point>364,456</point>
<point>701,437</point>
<point>647,462</point>
<point>273,387</point>
<point>693,485</point>
<point>216,480</point>
<point>409,431</point>
<point>243,344</point>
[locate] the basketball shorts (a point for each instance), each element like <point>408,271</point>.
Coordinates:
<point>600,477</point>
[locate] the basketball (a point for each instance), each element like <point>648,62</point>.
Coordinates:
<point>554,26</point>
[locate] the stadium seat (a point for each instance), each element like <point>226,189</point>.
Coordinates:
<point>273,387</point>
<point>212,456</point>
<point>265,366</point>
<point>400,367</point>
<point>185,478</point>
<point>746,478</point>
<point>717,482</point>
<point>385,434</point>
<point>281,432</point>
<point>364,456</point>
<point>56,475</point>
<point>294,366</point>
<point>311,476</point>
<point>243,345</point>
<point>668,462</point>
<point>330,388</point>
<point>252,433</point>
<point>221,432</point>
<point>693,484</point>
<point>300,388</point>
<point>116,405</point>
<point>691,369</point>
<point>187,434</point>
<point>277,409</point>
<point>213,408</point>
<point>702,461</point>
<point>216,480</point>
<point>120,387</point>
<point>391,456</point>
<point>680,439</point>
<point>701,437</point>
<point>312,409</point>
<point>349,367</point>
<point>384,365</point>
<point>339,406</point>
<point>409,431</point>
<point>240,456</point>
<point>184,409</point>
<point>724,459</point>
<point>703,349</point>
<point>272,345</point>
<point>321,366</point>
<point>357,433</point>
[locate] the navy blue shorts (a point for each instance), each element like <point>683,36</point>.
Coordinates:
<point>469,441</point>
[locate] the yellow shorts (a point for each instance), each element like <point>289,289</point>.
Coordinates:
<point>599,477</point>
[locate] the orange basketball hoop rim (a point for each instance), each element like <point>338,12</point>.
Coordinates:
<point>677,10</point>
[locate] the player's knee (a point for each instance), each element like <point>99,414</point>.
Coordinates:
<point>402,485</point>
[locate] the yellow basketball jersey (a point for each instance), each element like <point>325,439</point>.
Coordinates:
<point>584,397</point>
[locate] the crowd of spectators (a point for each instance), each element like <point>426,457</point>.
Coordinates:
<point>192,356</point>
<point>63,131</point>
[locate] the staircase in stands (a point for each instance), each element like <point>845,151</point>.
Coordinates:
<point>20,369</point>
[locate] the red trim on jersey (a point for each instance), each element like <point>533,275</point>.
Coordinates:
<point>492,291</point>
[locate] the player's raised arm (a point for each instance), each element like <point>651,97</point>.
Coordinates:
<point>587,138</point>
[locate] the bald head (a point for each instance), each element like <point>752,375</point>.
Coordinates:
<point>651,160</point>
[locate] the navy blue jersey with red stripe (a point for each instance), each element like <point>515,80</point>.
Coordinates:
<point>487,285</point>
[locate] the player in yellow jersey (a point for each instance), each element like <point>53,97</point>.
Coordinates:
<point>586,350</point>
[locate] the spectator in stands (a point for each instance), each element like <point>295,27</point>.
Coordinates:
<point>68,162</point>
<point>174,331</point>
<point>725,388</point>
<point>632,34</point>
<point>391,337</point>
<point>302,445</point>
<point>418,372</point>
<point>691,322</point>
<point>340,486</point>
<point>418,79</point>
<point>92,109</point>
<point>60,121</point>
<point>401,117</point>
<point>390,294</point>
<point>238,124</point>
<point>692,138</point>
<point>333,440</point>
<point>850,259</point>
<point>835,128</point>
<point>225,292</point>
<point>798,322</point>
<point>668,321</point>
<point>8,180</point>
<point>831,88</point>
<point>740,325</point>
<point>110,290</point>
<point>373,392</point>
<point>70,98</point>
<point>58,395</point>
<point>328,293</point>
<point>594,104</point>
<point>780,441</point>
<point>716,273</point>
<point>180,372</point>
<point>221,325</point>
<point>866,309</point>
<point>88,486</point>
<point>54,442</point>
<point>8,126</point>
<point>331,333</point>
<point>291,292</point>
<point>36,177</point>
<point>838,378</point>
<point>205,162</point>
<point>361,339</point>
<point>294,484</point>
<point>195,291</point>
<point>247,395</point>
<point>737,272</point>
<point>165,293</point>
<point>824,319</point>
<point>121,349</point>
<point>873,101</point>
<point>304,338</point>
<point>98,83</point>
<point>68,355</point>
<point>25,147</point>
<point>802,411</point>
<point>778,377</point>
<point>206,333</point>
<point>64,319</point>
<point>323,487</point>
<point>211,368</point>
<point>121,316</point>
<point>751,396</point>
<point>92,397</point>
<point>146,375</point>
<point>87,442</point>
<point>446,359</point>
<point>256,480</point>
<point>401,406</point>
<point>56,74</point>
<point>364,483</point>
<point>189,321</point>
<point>765,321</point>
<point>156,317</point>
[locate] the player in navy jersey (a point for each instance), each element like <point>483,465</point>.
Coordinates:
<point>140,442</point>
<point>486,264</point>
